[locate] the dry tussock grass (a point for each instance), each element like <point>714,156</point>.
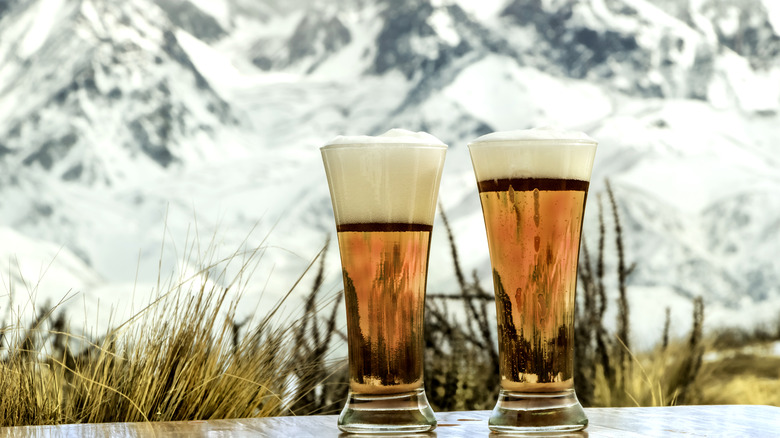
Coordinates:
<point>182,357</point>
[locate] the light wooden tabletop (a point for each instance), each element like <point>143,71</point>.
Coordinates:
<point>679,421</point>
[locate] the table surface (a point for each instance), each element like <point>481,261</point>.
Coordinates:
<point>679,421</point>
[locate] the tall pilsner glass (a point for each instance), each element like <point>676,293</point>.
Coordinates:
<point>533,185</point>
<point>384,192</point>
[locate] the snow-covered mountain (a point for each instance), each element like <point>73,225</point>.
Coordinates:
<point>124,126</point>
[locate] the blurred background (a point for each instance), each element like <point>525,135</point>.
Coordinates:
<point>132,129</point>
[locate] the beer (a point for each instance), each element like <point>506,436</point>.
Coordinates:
<point>532,185</point>
<point>384,192</point>
<point>533,226</point>
<point>384,268</point>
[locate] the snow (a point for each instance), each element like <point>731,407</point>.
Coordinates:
<point>36,35</point>
<point>751,90</point>
<point>647,313</point>
<point>89,11</point>
<point>485,98</point>
<point>351,61</point>
<point>212,63</point>
<point>772,8</point>
<point>729,22</point>
<point>441,22</point>
<point>497,90</point>
<point>706,148</point>
<point>219,9</point>
<point>483,10</point>
<point>36,274</point>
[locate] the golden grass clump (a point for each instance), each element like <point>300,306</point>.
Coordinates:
<point>743,389</point>
<point>182,357</point>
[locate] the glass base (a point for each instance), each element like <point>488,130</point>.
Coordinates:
<point>402,413</point>
<point>537,413</point>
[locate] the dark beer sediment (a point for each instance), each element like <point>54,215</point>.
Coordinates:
<point>385,269</point>
<point>533,227</point>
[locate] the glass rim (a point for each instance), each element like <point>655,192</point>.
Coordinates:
<point>380,145</point>
<point>534,141</point>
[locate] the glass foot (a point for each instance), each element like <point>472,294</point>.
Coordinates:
<point>403,413</point>
<point>537,413</point>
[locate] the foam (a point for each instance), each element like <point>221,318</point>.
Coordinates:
<point>392,178</point>
<point>533,153</point>
<point>536,134</point>
<point>392,137</point>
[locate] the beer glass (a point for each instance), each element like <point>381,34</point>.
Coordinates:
<point>532,186</point>
<point>384,192</point>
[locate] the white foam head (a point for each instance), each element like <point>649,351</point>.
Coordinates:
<point>391,178</point>
<point>394,136</point>
<point>533,153</point>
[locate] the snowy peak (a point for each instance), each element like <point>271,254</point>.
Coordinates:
<point>187,16</point>
<point>634,45</point>
<point>407,41</point>
<point>751,28</point>
<point>119,71</point>
<point>668,49</point>
<point>745,27</point>
<point>316,37</point>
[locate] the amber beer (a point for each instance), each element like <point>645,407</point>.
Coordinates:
<point>532,186</point>
<point>534,276</point>
<point>384,268</point>
<point>384,192</point>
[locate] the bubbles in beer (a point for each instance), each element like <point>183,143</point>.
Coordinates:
<point>384,269</point>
